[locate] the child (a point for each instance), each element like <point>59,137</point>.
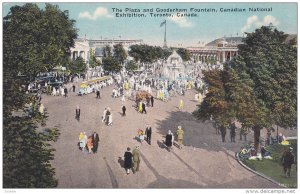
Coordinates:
<point>141,135</point>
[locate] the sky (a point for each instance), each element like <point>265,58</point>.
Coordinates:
<point>98,20</point>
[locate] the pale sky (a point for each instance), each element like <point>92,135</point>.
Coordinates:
<point>98,20</point>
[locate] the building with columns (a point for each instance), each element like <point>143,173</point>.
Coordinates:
<point>83,46</point>
<point>221,50</point>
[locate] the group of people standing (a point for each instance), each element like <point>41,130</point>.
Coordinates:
<point>88,143</point>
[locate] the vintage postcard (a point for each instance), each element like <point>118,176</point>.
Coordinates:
<point>148,95</point>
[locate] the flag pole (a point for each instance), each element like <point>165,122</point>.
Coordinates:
<point>165,40</point>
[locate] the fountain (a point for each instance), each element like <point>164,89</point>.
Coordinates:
<point>173,68</point>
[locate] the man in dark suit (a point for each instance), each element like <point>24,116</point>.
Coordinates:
<point>152,100</point>
<point>148,133</point>
<point>144,108</point>
<point>77,112</point>
<point>95,140</point>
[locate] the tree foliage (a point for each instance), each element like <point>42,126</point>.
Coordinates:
<point>111,64</point>
<point>131,66</point>
<point>259,87</point>
<point>146,53</point>
<point>184,54</point>
<point>93,62</point>
<point>34,41</point>
<point>38,38</point>
<point>119,53</point>
<point>78,66</point>
<point>107,52</point>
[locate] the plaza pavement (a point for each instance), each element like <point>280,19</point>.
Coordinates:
<point>204,161</point>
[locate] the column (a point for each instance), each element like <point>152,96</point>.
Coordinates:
<point>223,57</point>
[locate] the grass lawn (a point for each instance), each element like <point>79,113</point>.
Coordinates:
<point>273,168</point>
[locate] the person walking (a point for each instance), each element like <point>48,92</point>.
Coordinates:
<point>140,107</point>
<point>136,159</point>
<point>123,110</point>
<point>152,100</point>
<point>180,136</point>
<point>95,138</point>
<point>144,108</point>
<point>232,132</point>
<point>66,92</point>
<point>104,115</point>
<point>77,113</point>
<point>127,160</point>
<point>181,104</point>
<point>148,133</point>
<point>287,160</point>
<point>98,94</point>
<point>82,141</point>
<point>73,88</point>
<point>110,119</point>
<point>169,140</point>
<point>123,98</point>
<point>90,144</point>
<point>223,132</point>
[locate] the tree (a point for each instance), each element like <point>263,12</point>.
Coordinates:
<point>93,62</point>
<point>260,84</point>
<point>119,53</point>
<point>34,41</point>
<point>146,53</point>
<point>47,35</point>
<point>272,65</point>
<point>78,66</point>
<point>184,54</point>
<point>107,51</point>
<point>215,103</point>
<point>111,64</point>
<point>131,66</point>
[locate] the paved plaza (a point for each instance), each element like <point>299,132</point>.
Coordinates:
<point>204,161</point>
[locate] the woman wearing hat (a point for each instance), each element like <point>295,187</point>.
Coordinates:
<point>127,160</point>
<point>180,136</point>
<point>169,140</point>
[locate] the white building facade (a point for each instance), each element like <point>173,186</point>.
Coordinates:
<point>83,47</point>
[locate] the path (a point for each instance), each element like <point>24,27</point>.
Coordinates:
<point>205,162</point>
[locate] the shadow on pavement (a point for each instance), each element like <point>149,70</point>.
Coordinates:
<point>197,133</point>
<point>163,182</point>
<point>121,162</point>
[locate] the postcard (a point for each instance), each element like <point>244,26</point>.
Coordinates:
<point>145,95</point>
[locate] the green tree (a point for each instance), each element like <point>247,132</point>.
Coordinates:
<point>131,66</point>
<point>47,35</point>
<point>111,64</point>
<point>184,54</point>
<point>34,41</point>
<point>146,53</point>
<point>215,103</point>
<point>119,53</point>
<point>78,66</point>
<point>107,51</point>
<point>93,62</point>
<point>260,84</point>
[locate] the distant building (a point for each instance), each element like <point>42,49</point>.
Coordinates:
<point>222,50</point>
<point>83,46</point>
